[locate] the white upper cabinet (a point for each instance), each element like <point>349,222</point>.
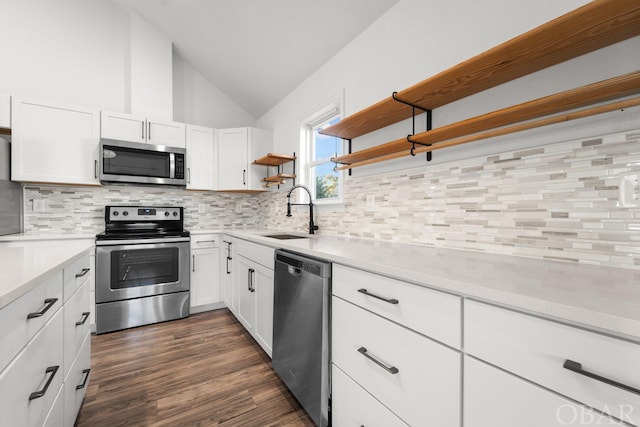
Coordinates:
<point>123,127</point>
<point>5,110</point>
<point>138,128</point>
<point>237,149</point>
<point>200,158</point>
<point>54,142</point>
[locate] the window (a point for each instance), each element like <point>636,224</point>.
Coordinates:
<point>320,175</point>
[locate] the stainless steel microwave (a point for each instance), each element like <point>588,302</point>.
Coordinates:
<point>137,163</point>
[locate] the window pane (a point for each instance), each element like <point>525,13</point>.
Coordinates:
<point>327,182</point>
<point>326,146</point>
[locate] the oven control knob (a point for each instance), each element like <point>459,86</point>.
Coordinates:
<point>116,213</point>
<point>125,213</point>
<point>166,214</point>
<point>175,213</point>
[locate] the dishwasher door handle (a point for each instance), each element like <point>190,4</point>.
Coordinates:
<point>294,271</point>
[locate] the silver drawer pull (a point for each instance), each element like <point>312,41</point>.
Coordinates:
<point>577,368</point>
<point>391,369</point>
<point>205,241</point>
<point>389,300</point>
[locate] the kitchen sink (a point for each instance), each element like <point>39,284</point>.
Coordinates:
<point>285,236</point>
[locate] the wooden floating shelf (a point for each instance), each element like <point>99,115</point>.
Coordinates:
<point>273,159</point>
<point>279,177</point>
<point>601,109</point>
<point>606,90</point>
<point>593,26</point>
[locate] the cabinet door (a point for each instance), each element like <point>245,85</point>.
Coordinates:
<point>263,285</point>
<point>123,127</point>
<point>200,158</point>
<point>172,134</point>
<point>205,271</point>
<point>244,275</point>
<point>233,159</point>
<point>38,364</point>
<point>493,397</point>
<point>54,142</point>
<point>227,273</point>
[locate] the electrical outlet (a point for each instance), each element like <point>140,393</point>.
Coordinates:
<point>371,202</point>
<point>238,208</point>
<point>38,205</point>
<point>201,208</point>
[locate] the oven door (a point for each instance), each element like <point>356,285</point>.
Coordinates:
<point>133,270</point>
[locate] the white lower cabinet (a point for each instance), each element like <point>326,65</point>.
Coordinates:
<point>55,417</point>
<point>494,398</point>
<point>31,382</point>
<point>415,377</point>
<point>353,406</point>
<point>77,381</point>
<point>263,286</point>
<point>227,283</point>
<point>205,272</point>
<point>253,283</point>
<point>45,344</point>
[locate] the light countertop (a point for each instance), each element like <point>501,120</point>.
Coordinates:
<point>24,267</point>
<point>600,298</point>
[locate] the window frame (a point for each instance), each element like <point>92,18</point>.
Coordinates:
<point>307,148</point>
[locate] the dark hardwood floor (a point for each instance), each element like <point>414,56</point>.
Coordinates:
<point>204,370</point>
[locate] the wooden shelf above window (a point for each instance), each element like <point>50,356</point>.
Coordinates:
<point>606,90</point>
<point>593,26</point>
<point>273,159</point>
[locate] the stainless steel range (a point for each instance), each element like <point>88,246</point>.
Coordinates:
<point>142,267</point>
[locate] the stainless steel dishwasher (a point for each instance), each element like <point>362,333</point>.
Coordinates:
<point>301,330</point>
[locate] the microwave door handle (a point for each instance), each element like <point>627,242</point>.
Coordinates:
<point>172,165</point>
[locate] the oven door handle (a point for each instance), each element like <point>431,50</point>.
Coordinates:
<point>141,241</point>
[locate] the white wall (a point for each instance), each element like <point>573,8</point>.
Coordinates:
<point>197,101</point>
<point>78,51</point>
<point>65,50</point>
<point>415,40</point>
<point>151,71</point>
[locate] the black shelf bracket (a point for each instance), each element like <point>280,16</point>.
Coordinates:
<point>335,165</point>
<point>428,112</point>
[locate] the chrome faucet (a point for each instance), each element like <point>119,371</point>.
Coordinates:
<point>312,226</point>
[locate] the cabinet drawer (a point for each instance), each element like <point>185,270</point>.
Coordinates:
<point>255,252</point>
<point>205,241</point>
<point>426,385</point>
<point>27,374</point>
<point>351,405</point>
<point>536,349</point>
<point>76,324</point>
<point>432,313</point>
<point>76,383</point>
<point>75,275</point>
<point>493,397</point>
<point>17,329</point>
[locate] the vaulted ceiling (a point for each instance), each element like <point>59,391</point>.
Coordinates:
<point>258,51</point>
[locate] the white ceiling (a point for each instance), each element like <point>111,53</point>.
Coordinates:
<point>258,51</point>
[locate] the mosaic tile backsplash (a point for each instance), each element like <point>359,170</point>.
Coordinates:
<point>80,210</point>
<point>556,201</point>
